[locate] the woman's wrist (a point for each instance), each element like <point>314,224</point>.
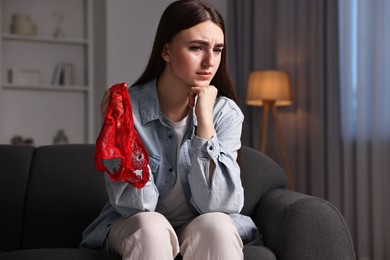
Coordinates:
<point>205,129</point>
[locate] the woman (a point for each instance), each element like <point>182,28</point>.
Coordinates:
<point>185,113</point>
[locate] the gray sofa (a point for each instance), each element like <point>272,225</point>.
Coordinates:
<point>50,194</point>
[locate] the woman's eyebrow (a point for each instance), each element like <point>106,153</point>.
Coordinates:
<point>206,43</point>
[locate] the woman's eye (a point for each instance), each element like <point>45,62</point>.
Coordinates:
<point>195,48</point>
<point>219,50</point>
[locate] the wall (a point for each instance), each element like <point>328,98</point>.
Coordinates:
<point>100,55</point>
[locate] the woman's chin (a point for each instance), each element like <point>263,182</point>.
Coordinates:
<point>201,83</point>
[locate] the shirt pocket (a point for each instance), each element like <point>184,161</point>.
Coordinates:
<point>154,162</point>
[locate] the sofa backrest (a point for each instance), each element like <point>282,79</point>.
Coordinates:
<point>259,174</point>
<point>65,194</point>
<point>57,192</point>
<point>15,162</point>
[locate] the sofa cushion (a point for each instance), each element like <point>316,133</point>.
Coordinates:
<point>59,254</point>
<point>259,174</point>
<point>250,253</point>
<point>258,252</point>
<point>65,194</point>
<point>15,161</point>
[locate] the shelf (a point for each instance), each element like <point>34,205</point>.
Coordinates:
<point>43,39</point>
<point>35,107</point>
<point>64,88</point>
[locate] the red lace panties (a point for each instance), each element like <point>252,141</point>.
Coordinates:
<point>118,139</point>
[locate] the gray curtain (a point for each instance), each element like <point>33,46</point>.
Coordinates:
<point>365,91</point>
<point>337,134</point>
<point>300,37</point>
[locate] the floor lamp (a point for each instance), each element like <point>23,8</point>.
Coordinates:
<point>270,89</point>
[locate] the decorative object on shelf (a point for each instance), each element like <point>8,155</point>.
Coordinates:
<point>63,74</point>
<point>24,76</point>
<point>21,24</point>
<point>29,141</point>
<point>60,137</point>
<point>17,139</point>
<point>271,88</point>
<point>58,30</point>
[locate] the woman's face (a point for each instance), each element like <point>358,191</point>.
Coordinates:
<point>193,55</point>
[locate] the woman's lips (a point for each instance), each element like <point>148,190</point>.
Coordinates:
<point>204,75</point>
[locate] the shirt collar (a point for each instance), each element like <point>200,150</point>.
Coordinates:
<point>150,105</point>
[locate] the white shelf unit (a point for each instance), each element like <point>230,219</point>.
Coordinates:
<point>11,37</point>
<point>38,110</point>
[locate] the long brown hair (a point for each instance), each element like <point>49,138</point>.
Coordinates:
<point>178,16</point>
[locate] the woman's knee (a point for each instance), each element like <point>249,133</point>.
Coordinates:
<point>211,236</point>
<point>215,225</point>
<point>149,219</point>
<point>151,224</point>
<point>147,231</point>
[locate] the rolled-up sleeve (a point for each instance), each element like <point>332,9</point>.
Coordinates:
<point>214,176</point>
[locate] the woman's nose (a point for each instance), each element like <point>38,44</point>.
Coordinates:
<point>208,59</point>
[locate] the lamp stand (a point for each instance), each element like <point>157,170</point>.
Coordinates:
<point>264,127</point>
<point>263,138</point>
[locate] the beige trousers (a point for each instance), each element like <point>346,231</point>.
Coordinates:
<point>149,236</point>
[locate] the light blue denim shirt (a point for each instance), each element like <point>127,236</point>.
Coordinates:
<point>205,191</point>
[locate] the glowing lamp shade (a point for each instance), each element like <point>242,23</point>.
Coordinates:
<point>270,89</point>
<point>268,86</point>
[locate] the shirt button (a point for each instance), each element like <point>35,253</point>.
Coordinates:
<point>170,170</point>
<point>170,136</point>
<point>211,148</point>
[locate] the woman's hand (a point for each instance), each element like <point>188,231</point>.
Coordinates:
<point>204,109</point>
<point>104,102</point>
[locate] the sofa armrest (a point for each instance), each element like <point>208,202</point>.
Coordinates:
<point>298,226</point>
